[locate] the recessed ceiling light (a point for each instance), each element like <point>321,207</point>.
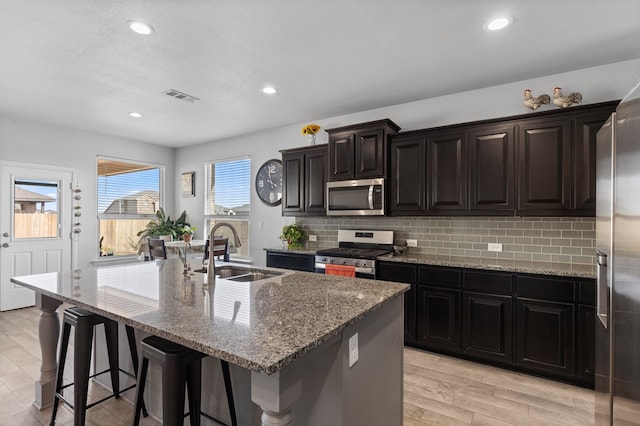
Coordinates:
<point>135,114</point>
<point>140,27</point>
<point>269,90</point>
<point>498,23</point>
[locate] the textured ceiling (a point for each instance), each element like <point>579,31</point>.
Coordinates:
<point>76,63</point>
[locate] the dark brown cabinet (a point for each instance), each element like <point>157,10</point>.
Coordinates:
<point>360,151</point>
<point>408,165</point>
<point>492,168</point>
<point>304,174</point>
<point>447,171</point>
<point>296,261</point>
<point>533,165</point>
<point>584,161</point>
<point>545,325</point>
<point>391,271</point>
<point>544,166</point>
<point>487,315</point>
<point>438,318</point>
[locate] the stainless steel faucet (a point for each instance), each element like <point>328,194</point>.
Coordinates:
<point>211,269</point>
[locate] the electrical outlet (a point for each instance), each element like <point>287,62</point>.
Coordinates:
<point>494,247</point>
<point>353,349</point>
<point>313,237</point>
<point>412,243</point>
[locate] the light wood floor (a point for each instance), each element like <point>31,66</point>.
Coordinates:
<point>438,390</point>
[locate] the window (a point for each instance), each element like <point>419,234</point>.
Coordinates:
<point>128,197</point>
<point>227,199</point>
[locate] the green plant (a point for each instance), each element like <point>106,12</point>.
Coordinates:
<point>186,229</point>
<point>293,235</point>
<point>164,225</point>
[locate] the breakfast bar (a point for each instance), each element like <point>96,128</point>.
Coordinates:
<point>317,349</point>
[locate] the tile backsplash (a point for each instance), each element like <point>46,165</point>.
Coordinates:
<point>545,239</point>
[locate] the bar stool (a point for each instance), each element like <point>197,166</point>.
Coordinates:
<point>84,322</point>
<point>179,364</point>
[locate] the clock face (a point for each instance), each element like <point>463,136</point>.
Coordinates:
<point>269,182</point>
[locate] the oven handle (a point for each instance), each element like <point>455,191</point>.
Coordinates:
<point>370,198</point>
<point>359,270</point>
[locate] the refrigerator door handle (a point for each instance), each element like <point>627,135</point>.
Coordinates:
<point>602,288</point>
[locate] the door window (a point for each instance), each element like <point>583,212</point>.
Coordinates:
<point>35,213</point>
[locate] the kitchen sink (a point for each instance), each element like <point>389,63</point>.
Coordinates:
<point>240,274</point>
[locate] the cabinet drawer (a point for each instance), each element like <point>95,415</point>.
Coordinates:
<point>296,261</point>
<point>440,277</point>
<point>554,289</point>
<point>391,271</point>
<point>488,282</point>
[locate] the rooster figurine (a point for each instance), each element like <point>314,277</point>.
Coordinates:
<point>534,103</point>
<point>564,101</point>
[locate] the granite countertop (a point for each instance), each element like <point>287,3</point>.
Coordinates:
<point>522,266</point>
<point>262,326</point>
<point>301,250</point>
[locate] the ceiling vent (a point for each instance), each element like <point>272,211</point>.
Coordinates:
<point>179,95</point>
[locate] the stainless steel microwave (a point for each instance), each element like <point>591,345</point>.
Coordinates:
<point>363,197</point>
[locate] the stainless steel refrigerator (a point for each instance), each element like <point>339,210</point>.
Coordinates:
<point>617,334</point>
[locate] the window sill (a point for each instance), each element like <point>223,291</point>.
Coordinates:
<point>114,260</point>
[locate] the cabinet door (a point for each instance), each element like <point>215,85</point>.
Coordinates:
<point>438,318</point>
<point>584,170</point>
<point>487,330</point>
<point>341,156</point>
<point>544,166</point>
<point>408,176</point>
<point>315,181</point>
<point>544,336</point>
<point>404,273</point>
<point>296,261</point>
<point>586,342</point>
<point>293,182</point>
<point>492,168</point>
<point>448,171</point>
<point>370,154</point>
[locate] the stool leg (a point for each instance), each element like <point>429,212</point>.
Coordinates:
<point>194,383</point>
<point>173,380</point>
<point>83,340</point>
<point>227,386</point>
<point>131,338</point>
<point>64,344</point>
<point>142,377</point>
<point>111,335</point>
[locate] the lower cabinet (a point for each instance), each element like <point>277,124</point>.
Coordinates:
<point>487,326</point>
<point>532,323</point>
<point>545,336</point>
<point>438,318</point>
<point>296,261</point>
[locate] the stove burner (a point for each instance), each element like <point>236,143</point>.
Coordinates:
<point>357,253</point>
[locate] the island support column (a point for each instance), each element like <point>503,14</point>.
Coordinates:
<point>275,395</point>
<point>48,332</point>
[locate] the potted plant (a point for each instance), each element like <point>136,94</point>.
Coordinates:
<point>293,235</point>
<point>163,225</point>
<point>187,232</point>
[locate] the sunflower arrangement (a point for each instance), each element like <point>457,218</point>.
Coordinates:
<point>310,129</point>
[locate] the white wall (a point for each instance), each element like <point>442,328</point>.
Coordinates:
<point>598,84</point>
<point>27,141</point>
<point>30,142</point>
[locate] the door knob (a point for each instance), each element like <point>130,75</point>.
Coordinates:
<point>5,245</point>
<point>6,234</point>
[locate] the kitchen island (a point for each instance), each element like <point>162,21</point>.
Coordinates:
<point>290,334</point>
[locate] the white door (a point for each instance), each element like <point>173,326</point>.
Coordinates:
<point>35,227</point>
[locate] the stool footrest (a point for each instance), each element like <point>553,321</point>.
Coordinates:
<point>213,419</point>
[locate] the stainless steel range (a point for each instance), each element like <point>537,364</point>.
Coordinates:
<point>358,248</point>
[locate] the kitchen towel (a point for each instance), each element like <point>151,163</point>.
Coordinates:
<point>342,270</point>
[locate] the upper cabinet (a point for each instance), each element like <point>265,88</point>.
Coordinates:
<point>544,166</point>
<point>360,151</point>
<point>540,164</point>
<point>304,176</point>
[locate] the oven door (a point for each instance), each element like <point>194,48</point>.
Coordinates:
<point>361,272</point>
<point>363,197</point>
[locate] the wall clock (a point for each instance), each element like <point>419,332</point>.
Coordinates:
<point>269,182</point>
